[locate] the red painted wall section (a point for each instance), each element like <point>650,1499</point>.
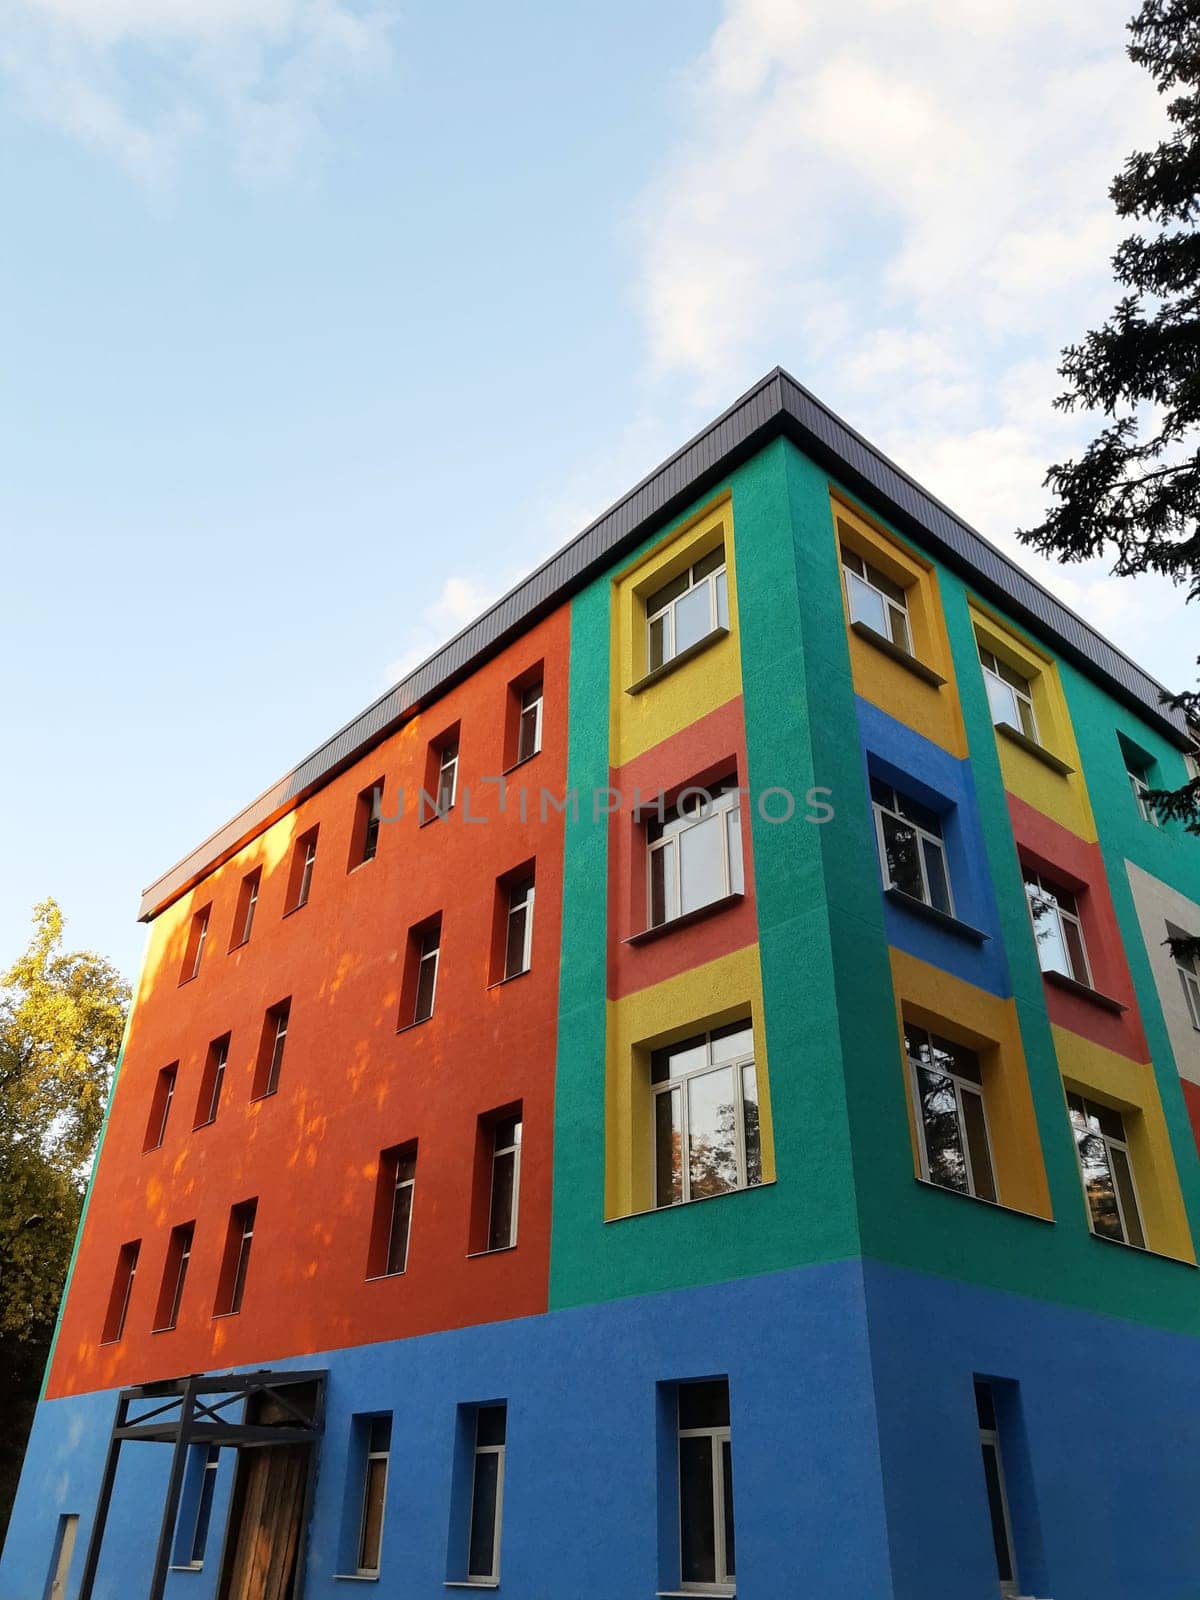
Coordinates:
<point>1191,1099</point>
<point>1063,857</point>
<point>707,750</point>
<point>351,1084</point>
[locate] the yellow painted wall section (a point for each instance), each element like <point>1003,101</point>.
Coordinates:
<point>932,711</point>
<point>988,1025</point>
<point>705,997</point>
<point>1064,798</point>
<point>700,685</point>
<point>1129,1086</point>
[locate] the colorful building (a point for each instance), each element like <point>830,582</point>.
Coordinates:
<point>688,1092</point>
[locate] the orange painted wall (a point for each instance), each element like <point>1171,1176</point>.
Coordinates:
<point>351,1084</point>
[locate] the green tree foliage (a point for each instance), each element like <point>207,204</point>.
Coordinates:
<point>1134,493</point>
<point>62,1015</point>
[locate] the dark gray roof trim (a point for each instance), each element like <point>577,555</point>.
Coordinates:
<point>776,404</point>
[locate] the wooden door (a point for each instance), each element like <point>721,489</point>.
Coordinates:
<point>264,1537</point>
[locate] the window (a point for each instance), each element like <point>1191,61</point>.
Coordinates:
<point>1189,975</point>
<point>875,601</point>
<point>695,852</point>
<point>912,854</point>
<point>270,1050</point>
<point>687,610</point>
<point>239,1237</point>
<point>447,778</point>
<point>1009,694</point>
<point>122,1289</point>
<point>197,938</point>
<point>370,1536</point>
<point>212,1081</point>
<point>393,1211</point>
<point>1139,768</point>
<point>997,1495</point>
<point>706,1132</point>
<point>487,1494</point>
<point>1057,930</point>
<point>243,919</point>
<point>429,949</point>
<point>529,725</point>
<point>506,1183</point>
<point>170,1295</point>
<point>304,859</point>
<point>160,1107</point>
<point>706,1542</point>
<point>204,1503</point>
<point>1106,1170</point>
<point>364,840</point>
<point>60,1561</point>
<point>518,938</point>
<point>956,1152</point>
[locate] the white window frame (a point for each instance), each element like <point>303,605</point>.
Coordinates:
<point>1021,697</point>
<point>255,879</point>
<point>1111,1142</point>
<point>241,1265</point>
<point>201,940</point>
<point>428,953</point>
<point>531,700</point>
<point>370,1455</point>
<point>134,1258</point>
<point>487,1450</point>
<point>283,1016</point>
<point>1050,894</point>
<point>961,1086</point>
<point>207,1493</point>
<point>447,765</point>
<point>989,1438</point>
<point>1141,788</point>
<point>669,1085</point>
<point>516,906</point>
<point>514,1150</point>
<point>721,804</point>
<point>878,810</point>
<point>1190,979</point>
<point>220,1062</point>
<point>185,1257</point>
<point>893,608</point>
<point>400,1182</point>
<point>718,1437</point>
<point>374,803</point>
<point>667,612</point>
<point>168,1101</point>
<point>306,874</point>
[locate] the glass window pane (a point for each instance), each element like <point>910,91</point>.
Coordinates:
<point>712,1133</point>
<point>1028,724</point>
<point>372,1529</point>
<point>668,592</point>
<point>935,874</point>
<point>924,816</point>
<point>709,563</point>
<point>397,1258</point>
<point>514,954</point>
<point>1047,930</point>
<point>704,1405</point>
<point>426,983</point>
<point>1002,700</point>
<point>753,1136</point>
<point>727,1506</point>
<point>991,1473</point>
<point>697,1533</point>
<point>491,1424</point>
<point>943,1137</point>
<point>693,616</point>
<point>902,862</point>
<point>668,1148</point>
<point>679,1058</point>
<point>1098,1185</point>
<point>663,903</point>
<point>701,863</point>
<point>866,604</point>
<point>1075,951</point>
<point>656,652</point>
<point>977,1145</point>
<point>898,627</point>
<point>733,824</point>
<point>500,1232</point>
<point>727,1044</point>
<point>484,1505</point>
<point>722,583</point>
<point>1123,1176</point>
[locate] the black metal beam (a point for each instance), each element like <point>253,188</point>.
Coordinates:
<point>103,1501</point>
<point>166,1530</point>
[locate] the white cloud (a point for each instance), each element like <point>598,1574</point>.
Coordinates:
<point>905,202</point>
<point>459,602</point>
<point>144,80</point>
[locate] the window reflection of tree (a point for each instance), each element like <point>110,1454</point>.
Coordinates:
<point>943,1146</point>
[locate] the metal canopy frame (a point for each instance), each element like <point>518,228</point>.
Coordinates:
<point>196,1410</point>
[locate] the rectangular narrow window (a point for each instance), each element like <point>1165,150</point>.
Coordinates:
<point>529,724</point>
<point>506,1183</point>
<point>1009,694</point>
<point>518,941</point>
<point>1106,1170</point>
<point>197,938</point>
<point>160,1107</point>
<point>304,859</point>
<point>204,1503</point>
<point>212,1081</point>
<point>364,839</point>
<point>695,852</point>
<point>243,917</point>
<point>955,1147</point>
<point>1139,769</point>
<point>447,779</point>
<point>269,1063</point>
<point>427,952</point>
<point>687,610</point>
<point>1188,969</point>
<point>374,1497</point>
<point>487,1494</point>
<point>875,601</point>
<point>391,1227</point>
<point>175,1270</point>
<point>997,1493</point>
<point>122,1290</point>
<point>1057,930</point>
<point>706,1538</point>
<point>60,1561</point>
<point>912,853</point>
<point>706,1131</point>
<point>231,1287</point>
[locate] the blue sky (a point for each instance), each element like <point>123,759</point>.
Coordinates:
<point>326,321</point>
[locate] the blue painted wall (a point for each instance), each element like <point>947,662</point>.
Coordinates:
<point>857,1473</point>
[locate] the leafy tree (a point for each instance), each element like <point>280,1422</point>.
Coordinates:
<point>1134,493</point>
<point>62,1015</point>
